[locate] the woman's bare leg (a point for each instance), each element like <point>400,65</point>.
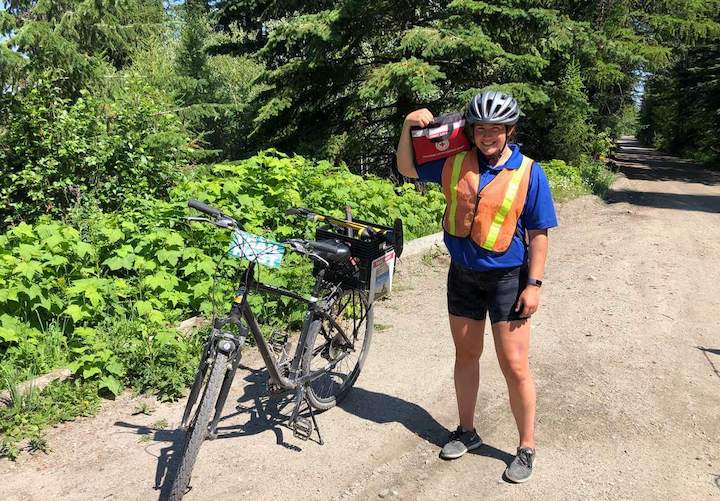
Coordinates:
<point>468,338</point>
<point>512,342</point>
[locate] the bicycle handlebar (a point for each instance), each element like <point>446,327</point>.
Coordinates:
<point>210,211</point>
<point>364,230</point>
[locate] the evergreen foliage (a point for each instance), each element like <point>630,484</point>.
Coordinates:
<point>571,133</point>
<point>341,75</point>
<point>681,109</point>
<point>75,40</point>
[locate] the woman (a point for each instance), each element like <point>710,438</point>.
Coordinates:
<point>495,197</point>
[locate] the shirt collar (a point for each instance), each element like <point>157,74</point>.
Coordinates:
<point>513,162</point>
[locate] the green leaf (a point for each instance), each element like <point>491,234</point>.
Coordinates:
<point>8,335</point>
<point>28,252</point>
<point>83,249</point>
<point>53,241</point>
<point>161,280</point>
<point>111,384</point>
<point>168,256</point>
<point>114,367</point>
<point>156,317</point>
<point>22,230</point>
<point>113,234</point>
<point>90,372</point>
<point>143,307</point>
<point>76,312</point>
<point>207,265</point>
<point>174,240</point>
<point>56,261</point>
<point>28,269</point>
<point>164,337</point>
<point>201,289</point>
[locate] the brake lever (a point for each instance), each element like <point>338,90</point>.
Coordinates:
<point>198,218</point>
<point>225,222</point>
<point>298,246</point>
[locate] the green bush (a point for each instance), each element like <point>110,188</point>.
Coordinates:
<point>570,181</point>
<point>55,152</point>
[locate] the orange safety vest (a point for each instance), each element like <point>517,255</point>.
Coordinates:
<point>489,216</point>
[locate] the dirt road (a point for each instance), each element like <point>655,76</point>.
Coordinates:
<point>625,352</point>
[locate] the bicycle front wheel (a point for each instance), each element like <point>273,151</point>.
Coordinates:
<point>198,428</point>
<point>338,347</point>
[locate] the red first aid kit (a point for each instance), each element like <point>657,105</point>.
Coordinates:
<point>442,138</point>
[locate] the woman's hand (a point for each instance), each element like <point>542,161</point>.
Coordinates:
<point>528,301</point>
<point>419,118</point>
<point>404,154</point>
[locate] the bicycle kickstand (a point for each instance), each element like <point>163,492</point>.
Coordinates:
<point>302,426</point>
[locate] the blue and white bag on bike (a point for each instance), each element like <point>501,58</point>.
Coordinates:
<point>256,248</point>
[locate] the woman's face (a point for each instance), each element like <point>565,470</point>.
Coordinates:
<point>490,138</point>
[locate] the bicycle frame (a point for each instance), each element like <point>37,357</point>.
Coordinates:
<point>242,317</point>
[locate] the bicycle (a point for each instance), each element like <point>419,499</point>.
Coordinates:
<point>333,341</point>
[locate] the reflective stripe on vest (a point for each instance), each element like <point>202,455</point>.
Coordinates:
<point>502,212</point>
<point>452,205</point>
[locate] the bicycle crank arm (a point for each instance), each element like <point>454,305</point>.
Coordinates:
<point>302,426</point>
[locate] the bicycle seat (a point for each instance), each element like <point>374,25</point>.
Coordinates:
<point>330,250</point>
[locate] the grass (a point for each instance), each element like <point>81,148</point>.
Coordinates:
<point>38,443</point>
<point>143,408</point>
<point>144,439</point>
<point>435,252</point>
<point>162,424</point>
<point>23,421</point>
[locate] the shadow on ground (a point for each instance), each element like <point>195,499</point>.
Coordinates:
<point>677,201</point>
<point>166,459</point>
<point>271,413</point>
<point>382,408</point>
<point>713,351</point>
<point>637,162</point>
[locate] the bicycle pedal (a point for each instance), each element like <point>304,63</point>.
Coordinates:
<point>302,428</point>
<point>273,389</point>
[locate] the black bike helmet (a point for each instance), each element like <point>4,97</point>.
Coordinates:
<point>492,107</point>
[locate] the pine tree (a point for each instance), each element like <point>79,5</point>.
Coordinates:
<point>78,41</point>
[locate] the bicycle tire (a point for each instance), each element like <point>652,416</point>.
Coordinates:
<point>330,388</point>
<point>198,384</point>
<point>198,429</point>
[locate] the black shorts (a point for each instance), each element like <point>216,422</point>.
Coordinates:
<point>472,294</point>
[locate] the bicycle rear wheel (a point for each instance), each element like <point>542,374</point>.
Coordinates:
<point>343,357</point>
<point>198,428</point>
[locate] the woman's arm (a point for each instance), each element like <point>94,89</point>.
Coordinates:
<point>537,249</point>
<point>404,153</point>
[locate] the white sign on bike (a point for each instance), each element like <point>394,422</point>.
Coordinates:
<point>381,275</point>
<point>256,248</point>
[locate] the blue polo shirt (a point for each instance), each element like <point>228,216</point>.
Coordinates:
<point>538,214</point>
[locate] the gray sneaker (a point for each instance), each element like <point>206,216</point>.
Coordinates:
<point>459,443</point>
<point>521,469</point>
